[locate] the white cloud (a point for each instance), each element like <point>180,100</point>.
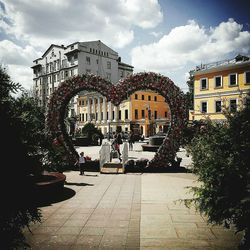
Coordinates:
<point>21,74</point>
<point>60,22</point>
<point>14,54</point>
<point>30,27</point>
<point>191,44</point>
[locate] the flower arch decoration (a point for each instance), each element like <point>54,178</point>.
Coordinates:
<point>175,98</point>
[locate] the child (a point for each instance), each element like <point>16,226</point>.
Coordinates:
<point>81,163</point>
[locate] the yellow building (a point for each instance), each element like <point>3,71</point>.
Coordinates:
<point>220,85</point>
<point>149,112</point>
<point>145,112</point>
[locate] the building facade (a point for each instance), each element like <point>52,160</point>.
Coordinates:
<point>58,63</point>
<point>145,112</point>
<point>220,85</point>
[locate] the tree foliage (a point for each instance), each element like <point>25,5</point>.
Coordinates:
<point>19,141</point>
<point>221,160</point>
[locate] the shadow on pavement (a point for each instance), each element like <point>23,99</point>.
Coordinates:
<point>54,197</point>
<point>77,184</point>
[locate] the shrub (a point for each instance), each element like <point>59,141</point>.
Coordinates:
<point>221,160</point>
<point>19,145</point>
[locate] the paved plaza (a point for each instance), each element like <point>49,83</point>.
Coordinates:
<point>126,211</point>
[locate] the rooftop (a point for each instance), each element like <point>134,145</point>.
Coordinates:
<point>239,59</point>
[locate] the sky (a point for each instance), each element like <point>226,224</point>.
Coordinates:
<point>163,36</point>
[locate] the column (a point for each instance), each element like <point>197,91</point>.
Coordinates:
<point>93,109</point>
<point>116,114</point>
<point>104,110</point>
<point>99,109</point>
<point>88,109</point>
<point>110,111</point>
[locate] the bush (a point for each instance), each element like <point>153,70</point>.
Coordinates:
<point>221,160</point>
<point>20,141</point>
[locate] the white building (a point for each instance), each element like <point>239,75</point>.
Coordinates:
<point>61,62</point>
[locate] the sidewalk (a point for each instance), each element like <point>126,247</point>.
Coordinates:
<point>130,211</point>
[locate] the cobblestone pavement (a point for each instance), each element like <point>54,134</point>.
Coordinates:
<point>126,211</point>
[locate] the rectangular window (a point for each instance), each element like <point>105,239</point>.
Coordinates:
<point>83,117</point>
<point>126,114</point>
<point>232,79</point>
<point>155,98</point>
<point>143,114</point>
<point>96,116</point>
<point>88,60</point>
<point>120,115</point>
<point>136,96</point>
<point>101,115</point>
<point>109,76</point>
<point>113,115</point>
<point>247,77</point>
<point>108,65</point>
<point>204,107</point>
<point>233,105</point>
<point>155,114</point>
<point>136,113</point>
<point>142,97</point>
<point>166,114</point>
<point>149,98</point>
<point>217,106</point>
<point>204,84</point>
<point>149,114</point>
<point>75,56</point>
<point>218,81</point>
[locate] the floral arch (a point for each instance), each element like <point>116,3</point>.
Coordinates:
<point>175,98</point>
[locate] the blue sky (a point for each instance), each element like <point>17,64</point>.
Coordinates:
<point>169,37</point>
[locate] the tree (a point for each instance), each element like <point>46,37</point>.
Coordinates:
<point>221,160</point>
<point>190,93</point>
<point>18,143</point>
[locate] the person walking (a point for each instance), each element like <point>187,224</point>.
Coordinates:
<point>131,140</point>
<point>81,162</point>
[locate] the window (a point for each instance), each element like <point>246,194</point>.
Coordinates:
<point>113,115</point>
<point>217,106</point>
<point>142,97</point>
<point>86,116</point>
<point>109,76</point>
<point>155,114</point>
<point>166,114</point>
<point>72,47</point>
<point>204,107</point>
<point>149,114</point>
<point>232,79</point>
<point>75,56</point>
<point>203,83</point>
<point>143,114</point>
<point>108,65</point>
<point>233,105</point>
<point>120,115</point>
<point>97,61</point>
<point>218,81</point>
<point>101,115</point>
<point>155,98</point>
<point>136,96</point>
<point>88,60</point>
<point>247,77</point>
<point>149,98</point>
<point>136,113</point>
<point>126,114</point>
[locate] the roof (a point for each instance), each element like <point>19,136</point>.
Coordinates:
<point>237,60</point>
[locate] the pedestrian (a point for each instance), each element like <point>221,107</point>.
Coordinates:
<point>81,162</point>
<point>116,145</point>
<point>131,140</point>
